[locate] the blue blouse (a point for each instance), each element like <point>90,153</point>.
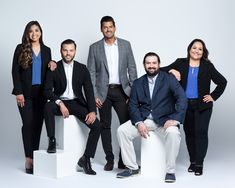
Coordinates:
<point>36,69</point>
<point>192,83</point>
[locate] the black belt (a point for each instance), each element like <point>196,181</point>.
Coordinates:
<point>112,86</point>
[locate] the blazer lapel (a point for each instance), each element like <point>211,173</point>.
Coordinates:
<point>44,64</point>
<point>120,54</point>
<point>103,54</point>
<point>158,82</point>
<point>146,87</point>
<point>60,68</point>
<point>201,69</point>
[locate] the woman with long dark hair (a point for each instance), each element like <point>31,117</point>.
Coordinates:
<point>30,63</point>
<point>195,74</point>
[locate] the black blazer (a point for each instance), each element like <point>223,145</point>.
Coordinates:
<point>22,78</point>
<point>168,100</point>
<point>207,72</point>
<point>55,85</point>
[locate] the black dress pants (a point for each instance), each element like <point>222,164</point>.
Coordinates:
<point>196,132</point>
<point>116,98</point>
<point>32,119</point>
<point>80,111</point>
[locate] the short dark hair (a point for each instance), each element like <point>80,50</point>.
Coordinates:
<point>151,54</point>
<point>107,19</point>
<point>68,41</point>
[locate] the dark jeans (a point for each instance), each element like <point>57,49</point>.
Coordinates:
<point>116,98</point>
<point>196,132</point>
<point>80,111</point>
<point>32,119</point>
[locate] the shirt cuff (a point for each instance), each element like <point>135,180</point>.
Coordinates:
<point>137,123</point>
<point>58,101</point>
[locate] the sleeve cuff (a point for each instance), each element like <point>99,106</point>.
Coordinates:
<point>58,101</point>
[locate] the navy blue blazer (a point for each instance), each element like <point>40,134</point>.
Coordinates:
<point>168,102</point>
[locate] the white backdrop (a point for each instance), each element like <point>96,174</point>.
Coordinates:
<point>162,26</point>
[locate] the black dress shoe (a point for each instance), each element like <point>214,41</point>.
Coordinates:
<point>52,145</point>
<point>108,166</point>
<point>121,164</point>
<point>29,170</point>
<point>84,162</point>
<point>198,170</point>
<point>191,168</point>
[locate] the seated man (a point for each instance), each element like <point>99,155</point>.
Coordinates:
<point>64,88</point>
<point>157,103</point>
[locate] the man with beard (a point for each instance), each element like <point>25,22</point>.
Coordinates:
<point>64,89</point>
<point>157,103</point>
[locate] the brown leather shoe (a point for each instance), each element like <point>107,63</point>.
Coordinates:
<point>108,166</point>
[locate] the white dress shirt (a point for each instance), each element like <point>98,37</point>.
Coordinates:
<point>68,93</point>
<point>111,52</point>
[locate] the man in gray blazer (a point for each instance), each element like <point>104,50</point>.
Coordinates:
<point>112,68</point>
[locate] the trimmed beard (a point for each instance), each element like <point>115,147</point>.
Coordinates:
<point>152,74</point>
<point>68,61</point>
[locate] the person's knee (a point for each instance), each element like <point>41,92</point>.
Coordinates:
<point>96,125</point>
<point>121,131</point>
<point>173,132</point>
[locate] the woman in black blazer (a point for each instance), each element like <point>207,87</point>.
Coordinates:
<point>30,63</point>
<point>195,74</point>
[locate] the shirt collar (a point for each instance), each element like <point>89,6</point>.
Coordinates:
<point>152,80</point>
<point>115,43</point>
<point>68,65</point>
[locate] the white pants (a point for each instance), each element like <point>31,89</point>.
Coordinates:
<point>127,132</point>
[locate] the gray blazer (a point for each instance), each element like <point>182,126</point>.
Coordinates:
<point>98,67</point>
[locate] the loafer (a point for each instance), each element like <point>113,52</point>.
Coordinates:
<point>128,173</point>
<point>108,166</point>
<point>170,178</point>
<point>85,164</point>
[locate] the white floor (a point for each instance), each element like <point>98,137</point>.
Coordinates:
<point>218,173</point>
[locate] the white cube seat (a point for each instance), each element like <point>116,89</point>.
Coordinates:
<point>54,165</point>
<point>71,136</point>
<point>153,156</point>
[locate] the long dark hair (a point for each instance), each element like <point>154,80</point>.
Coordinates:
<point>205,51</point>
<point>25,58</point>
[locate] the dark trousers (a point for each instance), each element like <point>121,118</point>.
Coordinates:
<point>32,119</point>
<point>196,132</point>
<point>80,111</point>
<point>116,98</point>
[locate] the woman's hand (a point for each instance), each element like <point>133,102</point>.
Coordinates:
<point>208,98</point>
<point>176,74</point>
<point>52,65</point>
<point>20,100</point>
